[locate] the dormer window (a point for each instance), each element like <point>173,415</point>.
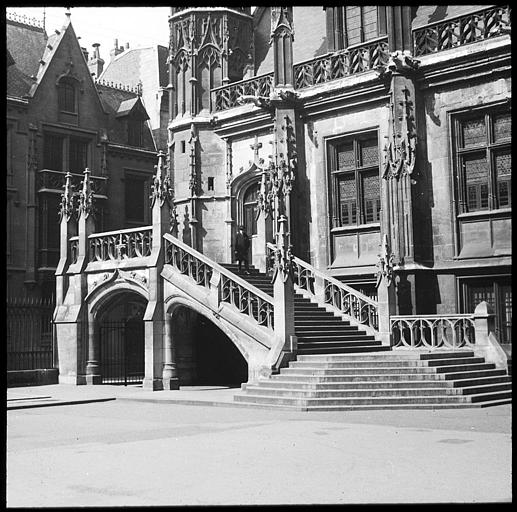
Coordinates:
<point>67,95</point>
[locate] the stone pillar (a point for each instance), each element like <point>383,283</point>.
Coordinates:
<point>93,375</point>
<point>170,372</point>
<point>282,36</point>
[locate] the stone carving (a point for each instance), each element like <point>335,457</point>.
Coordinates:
<point>400,148</point>
<point>194,181</point>
<point>385,263</point>
<point>283,256</point>
<point>162,190</point>
<point>401,62</point>
<point>67,200</point>
<point>86,196</point>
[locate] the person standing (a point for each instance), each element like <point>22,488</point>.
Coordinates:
<point>242,245</point>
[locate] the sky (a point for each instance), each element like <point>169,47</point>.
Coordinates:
<point>138,26</point>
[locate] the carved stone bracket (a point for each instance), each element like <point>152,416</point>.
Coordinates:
<point>400,61</point>
<point>385,263</point>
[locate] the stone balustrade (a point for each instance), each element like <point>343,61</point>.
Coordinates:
<point>227,96</point>
<point>327,291</point>
<point>118,245</point>
<point>461,30</point>
<point>228,288</point>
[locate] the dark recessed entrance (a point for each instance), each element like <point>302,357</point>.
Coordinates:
<point>122,342</point>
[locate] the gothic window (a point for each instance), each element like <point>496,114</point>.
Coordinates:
<point>250,206</point>
<point>482,147</point>
<point>67,95</point>
<point>65,153</point>
<point>137,191</point>
<point>352,25</point>
<point>354,163</point>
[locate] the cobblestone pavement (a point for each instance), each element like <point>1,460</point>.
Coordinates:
<point>127,453</point>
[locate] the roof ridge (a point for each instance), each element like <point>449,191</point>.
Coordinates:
<point>22,19</point>
<point>119,86</point>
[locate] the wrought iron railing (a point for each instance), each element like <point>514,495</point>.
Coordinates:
<point>433,331</point>
<point>329,67</point>
<point>469,28</point>
<point>227,96</point>
<point>327,290</point>
<point>54,181</point>
<point>118,245</point>
<point>30,342</point>
<point>231,289</point>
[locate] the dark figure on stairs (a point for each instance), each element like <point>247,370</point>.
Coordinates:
<point>242,245</point>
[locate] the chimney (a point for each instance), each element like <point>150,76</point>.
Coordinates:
<point>116,50</point>
<point>127,46</point>
<point>96,64</point>
<point>85,53</point>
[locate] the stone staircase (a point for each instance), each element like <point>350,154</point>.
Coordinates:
<point>386,380</point>
<point>340,367</point>
<point>317,330</point>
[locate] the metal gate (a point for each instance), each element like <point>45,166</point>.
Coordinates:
<point>122,351</point>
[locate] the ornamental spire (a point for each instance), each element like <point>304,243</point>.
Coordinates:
<point>162,190</point>
<point>86,196</point>
<point>67,208</point>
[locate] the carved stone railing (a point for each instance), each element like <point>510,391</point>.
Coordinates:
<point>327,291</point>
<point>230,288</point>
<point>118,245</point>
<point>366,57</point>
<point>54,181</point>
<point>469,28</point>
<point>227,96</point>
<point>433,331</point>
<point>73,245</point>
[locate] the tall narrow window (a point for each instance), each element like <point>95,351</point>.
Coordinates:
<point>483,160</point>
<point>66,95</point>
<point>53,152</point>
<point>78,155</point>
<point>135,131</point>
<point>355,177</point>
<point>136,199</point>
<point>250,209</point>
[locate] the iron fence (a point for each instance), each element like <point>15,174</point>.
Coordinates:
<point>30,333</point>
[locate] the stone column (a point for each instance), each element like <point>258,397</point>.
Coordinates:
<point>93,375</point>
<point>170,373</point>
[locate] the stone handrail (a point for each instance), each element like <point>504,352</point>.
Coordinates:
<point>328,291</point>
<point>468,28</point>
<point>231,289</point>
<point>227,96</point>
<point>123,244</point>
<point>433,331</point>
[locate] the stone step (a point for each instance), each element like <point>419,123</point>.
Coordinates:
<point>324,337</point>
<point>326,329</point>
<point>344,349</point>
<point>381,369</point>
<point>374,393</point>
<point>392,354</point>
<point>280,382</point>
<point>394,400</point>
<point>322,378</point>
<point>358,363</point>
<point>318,322</point>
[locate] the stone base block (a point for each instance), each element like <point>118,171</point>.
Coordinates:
<point>77,380</point>
<point>93,379</point>
<point>171,384</point>
<point>153,384</point>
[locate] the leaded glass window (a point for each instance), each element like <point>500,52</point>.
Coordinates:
<point>66,95</point>
<point>483,159</point>
<point>355,181</point>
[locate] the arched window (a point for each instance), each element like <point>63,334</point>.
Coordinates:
<point>66,95</point>
<point>249,209</point>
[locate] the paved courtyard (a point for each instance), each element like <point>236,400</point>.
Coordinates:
<point>123,453</point>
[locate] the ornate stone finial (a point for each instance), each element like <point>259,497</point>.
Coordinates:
<point>67,207</point>
<point>283,256</point>
<point>161,184</point>
<point>86,196</point>
<point>193,183</point>
<point>385,263</point>
<point>281,21</point>
<point>400,148</point>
